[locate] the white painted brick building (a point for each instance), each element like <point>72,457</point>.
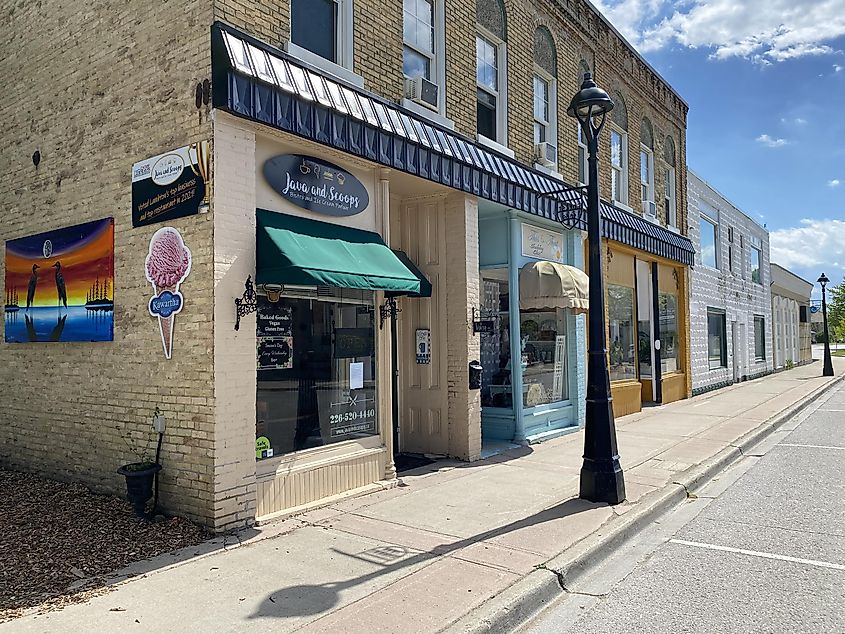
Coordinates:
<point>730,296</point>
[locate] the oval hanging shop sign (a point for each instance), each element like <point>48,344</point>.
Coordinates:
<point>316,185</point>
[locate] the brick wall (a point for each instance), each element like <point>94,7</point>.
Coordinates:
<point>734,293</point>
<point>95,88</point>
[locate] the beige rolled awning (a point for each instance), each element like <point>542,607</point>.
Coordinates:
<point>549,285</point>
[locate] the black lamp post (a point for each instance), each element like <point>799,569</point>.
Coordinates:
<point>601,474</point>
<point>828,362</point>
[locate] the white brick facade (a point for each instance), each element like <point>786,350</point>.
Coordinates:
<point>728,288</point>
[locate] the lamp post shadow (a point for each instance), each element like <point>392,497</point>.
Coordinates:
<point>313,599</point>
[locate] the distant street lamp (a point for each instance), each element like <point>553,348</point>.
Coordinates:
<point>828,362</point>
<point>602,479</point>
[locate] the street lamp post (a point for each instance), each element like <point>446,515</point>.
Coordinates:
<point>828,362</point>
<point>602,479</point>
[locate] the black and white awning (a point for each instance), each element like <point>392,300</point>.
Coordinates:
<point>263,84</point>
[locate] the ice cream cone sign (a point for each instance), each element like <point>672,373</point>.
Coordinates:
<point>168,264</point>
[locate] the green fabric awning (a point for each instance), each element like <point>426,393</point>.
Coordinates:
<point>425,285</point>
<point>295,250</point>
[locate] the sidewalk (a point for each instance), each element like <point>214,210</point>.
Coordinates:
<point>421,556</point>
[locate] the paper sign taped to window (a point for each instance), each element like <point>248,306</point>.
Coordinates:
<point>356,376</point>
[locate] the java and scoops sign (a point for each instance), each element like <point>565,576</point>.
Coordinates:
<point>316,185</point>
<point>171,185</point>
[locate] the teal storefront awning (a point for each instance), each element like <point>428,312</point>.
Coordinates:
<point>301,251</point>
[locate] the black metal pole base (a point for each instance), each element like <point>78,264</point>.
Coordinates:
<point>602,481</point>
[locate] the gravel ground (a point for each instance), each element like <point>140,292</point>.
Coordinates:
<point>57,539</point>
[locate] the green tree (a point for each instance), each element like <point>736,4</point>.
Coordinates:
<point>836,312</point>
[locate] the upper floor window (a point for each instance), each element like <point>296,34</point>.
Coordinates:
<point>583,155</point>
<point>418,30</point>
<point>647,169</point>
<point>320,32</point>
<point>545,97</point>
<point>756,262</point>
<point>490,71</point>
<point>618,165</point>
<point>669,191</point>
<point>619,151</point>
<point>730,249</point>
<point>542,111</point>
<point>709,243</point>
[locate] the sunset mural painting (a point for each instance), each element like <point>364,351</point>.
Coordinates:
<point>60,285</point>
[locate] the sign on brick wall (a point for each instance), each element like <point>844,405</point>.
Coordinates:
<point>171,185</point>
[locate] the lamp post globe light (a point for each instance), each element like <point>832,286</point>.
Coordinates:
<point>602,479</point>
<point>828,362</point>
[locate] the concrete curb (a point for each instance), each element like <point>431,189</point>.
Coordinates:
<point>512,607</point>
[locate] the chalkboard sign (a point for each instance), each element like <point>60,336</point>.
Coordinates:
<point>275,353</point>
<point>353,342</point>
<point>274,338</point>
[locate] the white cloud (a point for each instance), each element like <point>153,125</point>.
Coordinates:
<point>765,31</point>
<point>809,249</point>
<point>837,68</point>
<point>795,121</point>
<point>833,183</point>
<point>768,141</point>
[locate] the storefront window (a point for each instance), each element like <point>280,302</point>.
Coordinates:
<point>622,342</point>
<point>316,371</point>
<point>670,348</point>
<point>543,348</point>
<point>496,390</point>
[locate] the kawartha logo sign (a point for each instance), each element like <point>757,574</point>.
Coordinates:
<point>167,265</point>
<point>316,185</point>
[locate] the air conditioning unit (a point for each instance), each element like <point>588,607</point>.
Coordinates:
<point>422,91</point>
<point>650,208</point>
<point>545,154</point>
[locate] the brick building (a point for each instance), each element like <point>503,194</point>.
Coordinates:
<point>442,127</point>
<point>731,297</point>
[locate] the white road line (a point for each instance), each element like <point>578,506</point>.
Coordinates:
<point>755,553</point>
<point>786,444</point>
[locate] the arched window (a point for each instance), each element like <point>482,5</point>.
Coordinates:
<point>545,97</point>
<point>491,71</point>
<point>647,169</point>
<point>583,68</point>
<point>619,151</point>
<point>670,187</point>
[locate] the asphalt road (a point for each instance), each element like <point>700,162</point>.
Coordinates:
<point>761,549</point>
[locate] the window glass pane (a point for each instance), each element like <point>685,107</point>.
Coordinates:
<point>755,265</point>
<point>708,243</point>
<point>313,25</point>
<point>418,24</point>
<point>316,372</point>
<point>414,64</point>
<point>539,132</point>
<point>541,99</point>
<point>486,69</point>
<point>622,341</point>
<point>543,348</point>
<point>496,388</point>
<point>670,346</point>
<point>716,342</point>
<point>486,113</point>
<point>615,149</point>
<point>759,339</point>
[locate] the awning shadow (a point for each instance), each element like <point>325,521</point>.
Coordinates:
<point>314,599</point>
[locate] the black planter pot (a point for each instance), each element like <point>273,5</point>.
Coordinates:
<point>139,484</point>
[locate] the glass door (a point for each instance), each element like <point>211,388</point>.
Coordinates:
<point>645,326</point>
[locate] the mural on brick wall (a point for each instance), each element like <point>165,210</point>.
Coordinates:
<point>60,285</point>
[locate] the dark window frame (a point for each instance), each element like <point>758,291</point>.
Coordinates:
<point>717,313</point>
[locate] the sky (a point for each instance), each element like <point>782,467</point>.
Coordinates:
<point>765,84</point>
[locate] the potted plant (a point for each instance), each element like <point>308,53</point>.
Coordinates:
<point>141,474</point>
